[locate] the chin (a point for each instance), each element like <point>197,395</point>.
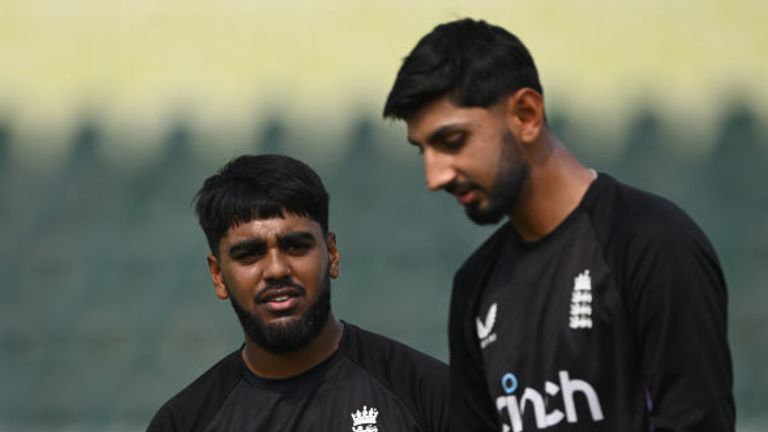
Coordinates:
<point>283,321</point>
<point>484,216</point>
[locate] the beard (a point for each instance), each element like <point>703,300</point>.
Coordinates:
<point>512,174</point>
<point>290,335</point>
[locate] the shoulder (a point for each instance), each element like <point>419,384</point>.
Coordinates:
<point>631,217</point>
<point>418,381</point>
<point>388,359</point>
<point>189,409</point>
<point>653,245</point>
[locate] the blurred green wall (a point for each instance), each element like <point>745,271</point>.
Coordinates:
<point>107,308</point>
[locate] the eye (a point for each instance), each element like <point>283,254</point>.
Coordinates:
<point>250,254</point>
<point>245,258</point>
<point>454,141</point>
<point>297,248</point>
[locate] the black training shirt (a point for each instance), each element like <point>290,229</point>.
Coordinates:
<point>615,321</point>
<point>370,383</point>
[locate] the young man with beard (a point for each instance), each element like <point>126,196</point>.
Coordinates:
<point>596,306</point>
<point>300,369</point>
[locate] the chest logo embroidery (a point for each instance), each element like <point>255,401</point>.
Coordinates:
<point>485,328</point>
<point>581,302</point>
<point>365,420</point>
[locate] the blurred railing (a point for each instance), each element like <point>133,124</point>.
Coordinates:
<point>106,308</point>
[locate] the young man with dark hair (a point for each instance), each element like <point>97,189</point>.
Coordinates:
<point>300,369</point>
<point>596,306</point>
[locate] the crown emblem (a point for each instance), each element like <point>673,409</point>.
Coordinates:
<point>581,302</point>
<point>365,420</point>
<point>583,282</point>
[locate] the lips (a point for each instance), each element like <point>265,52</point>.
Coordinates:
<point>465,195</point>
<point>280,299</point>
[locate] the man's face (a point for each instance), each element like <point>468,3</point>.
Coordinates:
<point>471,154</point>
<point>276,273</point>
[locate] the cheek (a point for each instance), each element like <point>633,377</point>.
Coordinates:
<point>483,169</point>
<point>310,271</point>
<point>495,159</point>
<point>483,154</point>
<point>240,279</point>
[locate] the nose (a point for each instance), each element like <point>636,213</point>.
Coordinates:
<point>437,169</point>
<point>276,265</point>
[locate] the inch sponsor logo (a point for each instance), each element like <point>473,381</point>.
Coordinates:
<point>512,410</point>
<point>485,328</point>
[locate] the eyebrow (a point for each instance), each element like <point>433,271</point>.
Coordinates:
<point>296,236</point>
<point>246,245</point>
<point>439,134</point>
<point>255,243</point>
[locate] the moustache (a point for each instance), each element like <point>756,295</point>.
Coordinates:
<point>275,287</point>
<point>459,187</point>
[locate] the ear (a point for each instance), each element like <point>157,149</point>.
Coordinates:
<point>333,255</point>
<point>217,278</point>
<point>525,114</point>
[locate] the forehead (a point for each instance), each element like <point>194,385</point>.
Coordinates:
<point>272,228</point>
<point>444,113</point>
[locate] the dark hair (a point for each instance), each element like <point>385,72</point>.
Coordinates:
<point>259,187</point>
<point>472,61</point>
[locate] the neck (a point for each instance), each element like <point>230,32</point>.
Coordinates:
<point>555,186</point>
<point>270,365</point>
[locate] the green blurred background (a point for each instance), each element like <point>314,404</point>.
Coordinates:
<point>113,112</point>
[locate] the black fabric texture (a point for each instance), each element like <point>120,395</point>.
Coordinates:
<point>368,372</point>
<point>615,321</point>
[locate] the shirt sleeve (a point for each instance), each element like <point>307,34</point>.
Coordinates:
<point>471,407</point>
<point>162,421</point>
<point>676,296</point>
